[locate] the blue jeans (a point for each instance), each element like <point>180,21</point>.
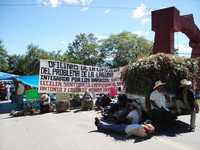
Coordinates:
<point>118,128</point>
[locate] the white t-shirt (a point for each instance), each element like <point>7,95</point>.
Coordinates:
<point>159,99</point>
<point>134,116</point>
<point>8,88</point>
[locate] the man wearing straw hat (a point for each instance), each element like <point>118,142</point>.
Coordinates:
<point>157,97</point>
<point>159,111</point>
<point>186,101</point>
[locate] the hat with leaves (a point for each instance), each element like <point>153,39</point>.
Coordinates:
<point>185,83</point>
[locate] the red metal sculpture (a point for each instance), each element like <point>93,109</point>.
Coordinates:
<point>167,21</point>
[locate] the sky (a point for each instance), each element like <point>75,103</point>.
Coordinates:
<point>52,24</point>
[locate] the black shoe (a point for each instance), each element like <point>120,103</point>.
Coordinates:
<point>148,122</point>
<point>97,121</point>
<point>191,129</point>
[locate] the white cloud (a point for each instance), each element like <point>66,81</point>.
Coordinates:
<point>140,11</point>
<point>56,3</point>
<point>107,11</point>
<point>71,2</point>
<point>52,3</point>
<point>183,50</point>
<point>64,42</point>
<point>141,33</point>
<point>78,2</point>
<point>145,20</point>
<point>101,37</point>
<point>85,2</point>
<point>84,9</point>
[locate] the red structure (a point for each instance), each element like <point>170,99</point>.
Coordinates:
<point>167,21</point>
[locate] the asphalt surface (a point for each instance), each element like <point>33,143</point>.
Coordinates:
<point>76,131</point>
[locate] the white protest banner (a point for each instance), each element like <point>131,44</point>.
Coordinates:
<point>62,77</point>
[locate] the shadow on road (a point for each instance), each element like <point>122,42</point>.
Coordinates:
<point>176,128</point>
<point>67,111</point>
<point>121,137</point>
<point>173,129</point>
<point>80,110</point>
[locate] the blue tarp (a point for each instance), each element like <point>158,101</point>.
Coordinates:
<point>31,80</point>
<point>6,76</point>
<point>7,106</point>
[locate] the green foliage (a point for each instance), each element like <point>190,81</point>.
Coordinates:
<point>29,63</point>
<point>17,64</point>
<point>84,49</point>
<point>32,59</point>
<point>3,58</point>
<point>143,73</point>
<point>125,47</point>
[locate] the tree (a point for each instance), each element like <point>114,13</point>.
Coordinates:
<point>32,59</point>
<point>84,50</point>
<point>56,55</point>
<point>125,47</point>
<point>16,64</point>
<point>28,63</point>
<point>3,58</point>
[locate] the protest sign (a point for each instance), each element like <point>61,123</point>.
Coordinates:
<point>63,77</point>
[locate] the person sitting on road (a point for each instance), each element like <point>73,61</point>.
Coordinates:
<point>157,97</point>
<point>185,97</point>
<point>133,129</point>
<point>87,101</point>
<point>160,113</point>
<point>117,111</point>
<point>102,101</point>
<point>87,96</point>
<point>134,115</point>
<point>44,103</point>
<point>186,101</point>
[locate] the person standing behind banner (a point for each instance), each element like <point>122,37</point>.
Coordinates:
<point>20,92</point>
<point>112,91</point>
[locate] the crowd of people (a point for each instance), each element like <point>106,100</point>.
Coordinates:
<point>126,116</point>
<point>120,114</point>
<point>7,90</point>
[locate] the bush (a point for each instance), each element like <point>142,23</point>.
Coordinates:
<point>143,73</point>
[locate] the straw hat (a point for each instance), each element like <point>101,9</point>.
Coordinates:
<point>158,84</point>
<point>185,83</point>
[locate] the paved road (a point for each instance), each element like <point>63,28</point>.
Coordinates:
<point>76,131</point>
